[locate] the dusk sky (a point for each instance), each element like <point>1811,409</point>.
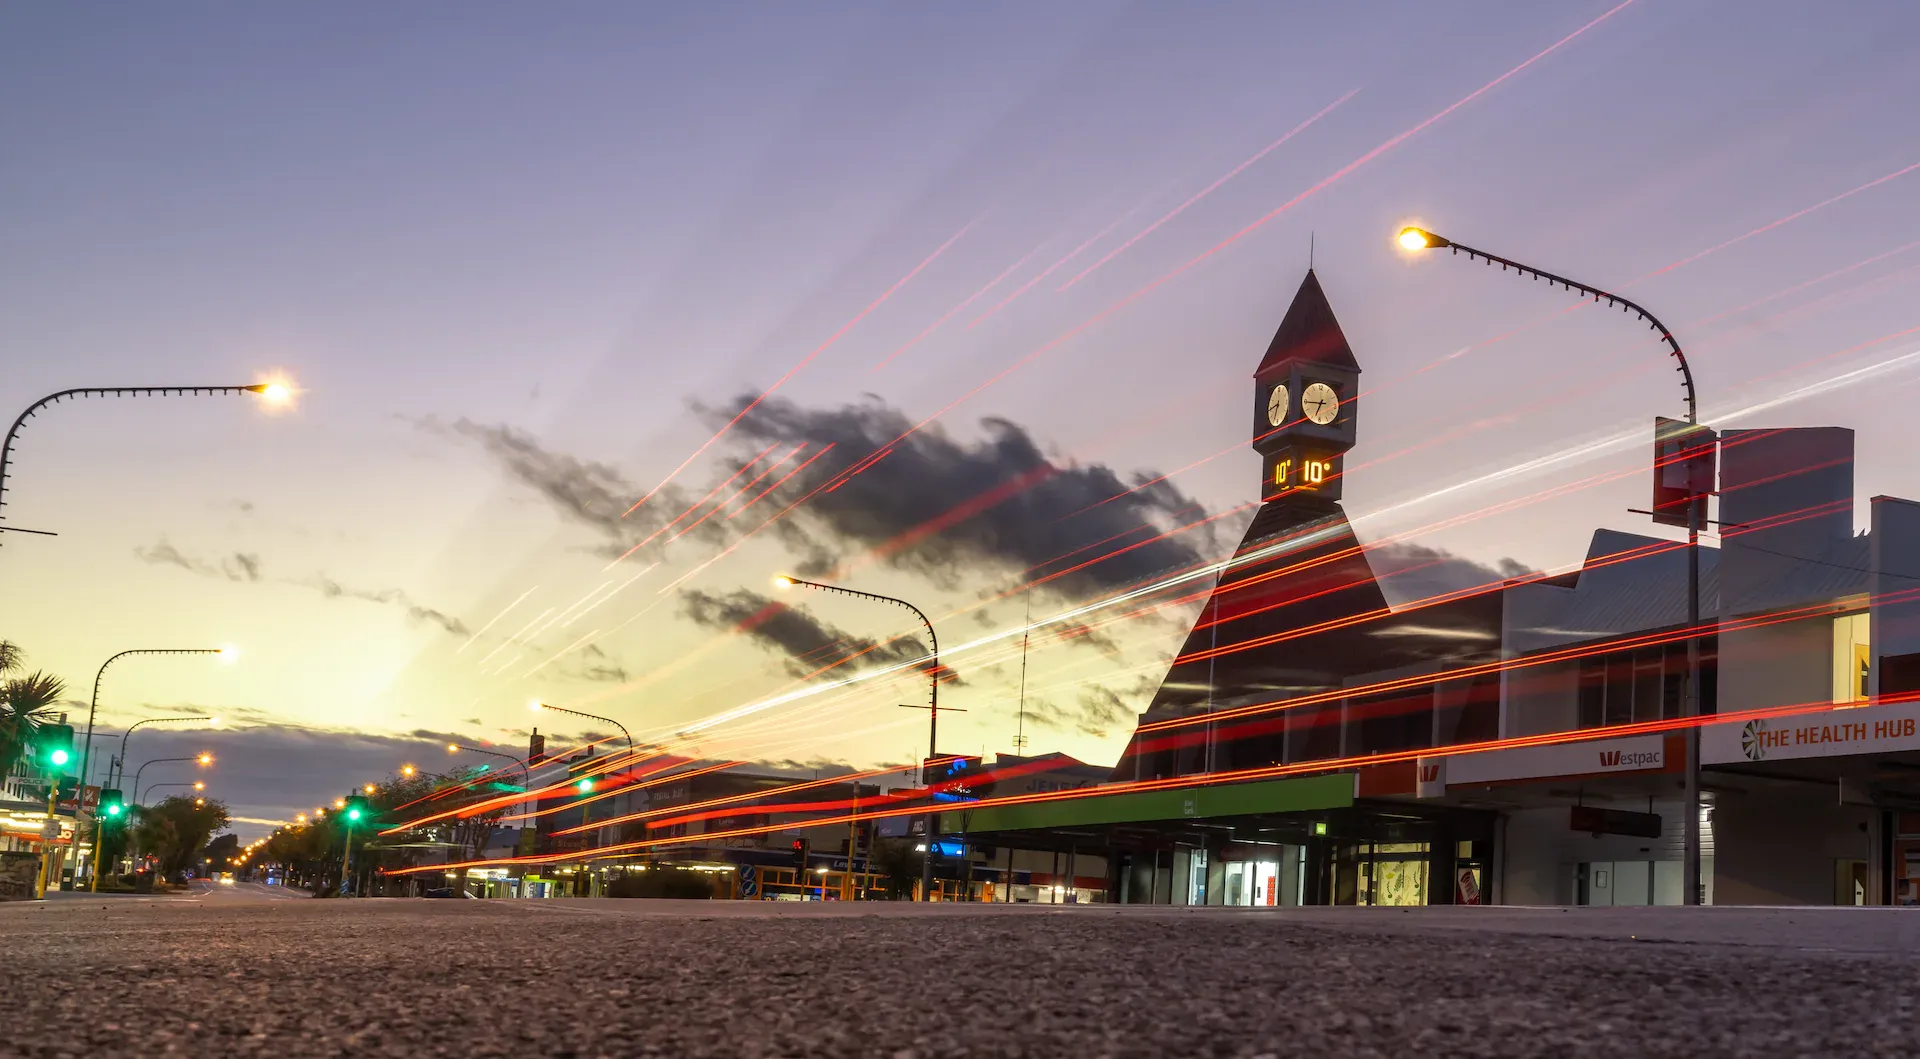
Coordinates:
<point>522,264</point>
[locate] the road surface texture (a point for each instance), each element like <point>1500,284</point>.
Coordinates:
<point>250,971</point>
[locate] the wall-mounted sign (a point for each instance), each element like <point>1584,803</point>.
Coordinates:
<point>1588,757</point>
<point>1828,733</point>
<point>1596,821</point>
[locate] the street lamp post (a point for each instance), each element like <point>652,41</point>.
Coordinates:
<point>198,785</point>
<point>586,783</point>
<point>525,770</point>
<point>203,759</point>
<point>93,708</point>
<point>933,705</point>
<point>1420,239</point>
<point>538,706</point>
<point>118,766</point>
<point>273,391</point>
<point>526,776</point>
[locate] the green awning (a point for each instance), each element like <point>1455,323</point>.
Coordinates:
<point>1302,794</point>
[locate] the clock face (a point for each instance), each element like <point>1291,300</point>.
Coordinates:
<point>1320,403</point>
<point>1277,405</point>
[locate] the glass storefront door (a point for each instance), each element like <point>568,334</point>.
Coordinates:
<point>1383,873</point>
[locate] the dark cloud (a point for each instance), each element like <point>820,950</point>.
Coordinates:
<point>246,564</point>
<point>590,494</point>
<point>415,612</point>
<point>1409,572</point>
<point>945,508</point>
<point>165,554</point>
<point>1073,632</point>
<point>808,643</point>
<point>240,566</point>
<point>1097,710</point>
<point>271,772</point>
<point>596,665</point>
<point>245,567</point>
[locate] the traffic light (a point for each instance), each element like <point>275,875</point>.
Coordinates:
<point>53,745</point>
<point>800,855</point>
<point>113,805</point>
<point>357,810</point>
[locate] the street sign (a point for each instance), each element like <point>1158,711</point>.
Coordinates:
<point>749,881</point>
<point>1683,465</point>
<point>1598,821</point>
<point>50,830</point>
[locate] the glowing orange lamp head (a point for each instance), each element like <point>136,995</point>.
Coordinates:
<point>1412,238</point>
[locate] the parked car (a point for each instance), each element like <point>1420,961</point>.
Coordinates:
<point>448,891</point>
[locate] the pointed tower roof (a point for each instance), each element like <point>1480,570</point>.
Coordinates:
<point>1309,332</point>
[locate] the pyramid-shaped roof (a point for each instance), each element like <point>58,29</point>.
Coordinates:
<point>1309,332</point>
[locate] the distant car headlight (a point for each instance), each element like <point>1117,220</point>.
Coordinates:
<point>226,881</point>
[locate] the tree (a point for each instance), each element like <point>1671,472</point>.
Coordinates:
<point>896,861</point>
<point>222,850</point>
<point>307,853</point>
<point>461,836</point>
<point>174,831</point>
<point>26,703</point>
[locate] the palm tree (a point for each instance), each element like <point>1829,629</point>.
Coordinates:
<point>26,703</point>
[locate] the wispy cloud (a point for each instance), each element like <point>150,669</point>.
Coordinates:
<point>245,567</point>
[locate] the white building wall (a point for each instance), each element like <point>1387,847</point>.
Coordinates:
<point>1784,849</point>
<point>1540,699</point>
<point>1776,665</point>
<point>1543,854</point>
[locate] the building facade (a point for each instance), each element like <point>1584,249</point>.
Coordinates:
<point>1523,742</point>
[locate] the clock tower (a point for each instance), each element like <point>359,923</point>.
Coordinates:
<point>1305,402</point>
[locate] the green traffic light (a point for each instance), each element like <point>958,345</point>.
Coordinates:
<point>353,814</point>
<point>59,756</point>
<point>585,785</point>
<point>113,810</point>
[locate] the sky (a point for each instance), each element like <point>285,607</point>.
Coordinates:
<point>522,266</point>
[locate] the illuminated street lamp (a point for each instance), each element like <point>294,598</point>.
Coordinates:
<point>536,706</point>
<point>1417,239</point>
<point>227,654</point>
<point>274,393</point>
<point>202,760</point>
<point>786,581</point>
<point>181,783</point>
<point>407,771</point>
<point>525,780</point>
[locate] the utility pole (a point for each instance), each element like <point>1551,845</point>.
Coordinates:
<point>1702,440</point>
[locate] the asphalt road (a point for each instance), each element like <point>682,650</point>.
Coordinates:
<point>253,971</point>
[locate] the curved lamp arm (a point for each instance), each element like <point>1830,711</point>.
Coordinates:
<point>6,447</point>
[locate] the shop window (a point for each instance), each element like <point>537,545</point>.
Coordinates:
<point>1647,683</point>
<point>1644,685</point>
<point>1852,658</point>
<point>1593,693</point>
<point>1388,723</point>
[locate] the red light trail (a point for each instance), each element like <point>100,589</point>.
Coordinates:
<point>1209,189</point>
<point>1204,779</point>
<point>949,314</point>
<point>804,361</point>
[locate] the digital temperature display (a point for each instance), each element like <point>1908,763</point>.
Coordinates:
<point>1301,471</point>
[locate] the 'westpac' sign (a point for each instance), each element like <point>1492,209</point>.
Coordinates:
<point>1641,753</point>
